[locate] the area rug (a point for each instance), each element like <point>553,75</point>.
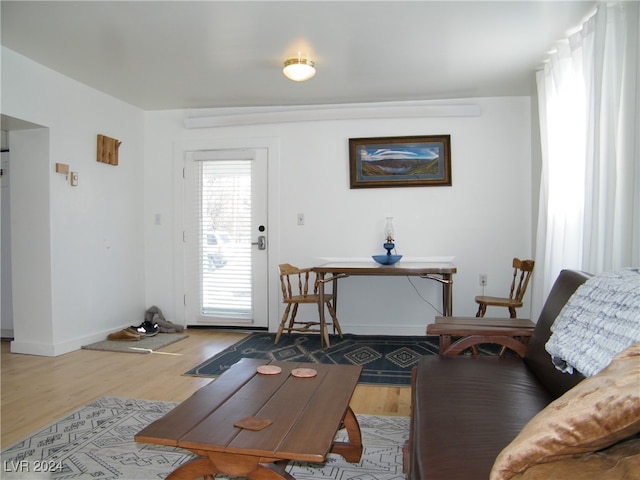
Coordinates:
<point>96,443</point>
<point>145,345</point>
<point>385,360</point>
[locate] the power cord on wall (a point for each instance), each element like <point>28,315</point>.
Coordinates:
<point>423,299</point>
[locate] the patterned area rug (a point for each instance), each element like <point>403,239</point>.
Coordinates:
<point>385,360</point>
<point>96,443</point>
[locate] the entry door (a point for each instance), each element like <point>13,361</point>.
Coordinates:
<point>226,238</point>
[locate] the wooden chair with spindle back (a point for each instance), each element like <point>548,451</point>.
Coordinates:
<point>522,270</point>
<point>295,283</point>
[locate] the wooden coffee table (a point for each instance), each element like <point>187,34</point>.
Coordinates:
<point>285,417</point>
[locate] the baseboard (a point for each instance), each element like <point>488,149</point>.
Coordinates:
<point>32,348</point>
<point>56,349</point>
<point>6,334</point>
<point>77,343</point>
<point>391,330</point>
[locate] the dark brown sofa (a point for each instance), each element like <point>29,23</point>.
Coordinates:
<point>466,409</point>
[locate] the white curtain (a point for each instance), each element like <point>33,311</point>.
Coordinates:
<point>589,210</point>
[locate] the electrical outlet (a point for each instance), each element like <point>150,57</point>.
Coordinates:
<point>482,279</point>
<point>301,219</point>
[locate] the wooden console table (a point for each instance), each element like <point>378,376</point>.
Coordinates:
<point>440,272</point>
<point>511,333</point>
<point>281,417</point>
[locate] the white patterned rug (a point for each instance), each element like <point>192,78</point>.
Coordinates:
<point>96,443</point>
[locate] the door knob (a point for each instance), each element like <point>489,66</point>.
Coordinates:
<point>261,243</point>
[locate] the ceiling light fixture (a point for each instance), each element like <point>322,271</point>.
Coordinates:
<point>299,69</point>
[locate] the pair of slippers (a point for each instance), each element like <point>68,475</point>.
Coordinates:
<point>126,335</point>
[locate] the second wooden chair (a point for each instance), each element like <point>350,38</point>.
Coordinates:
<point>295,283</point>
<point>522,270</point>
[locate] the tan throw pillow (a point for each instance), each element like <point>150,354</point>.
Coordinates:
<point>596,413</point>
<point>614,463</point>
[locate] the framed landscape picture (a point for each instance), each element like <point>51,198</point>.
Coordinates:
<point>415,161</point>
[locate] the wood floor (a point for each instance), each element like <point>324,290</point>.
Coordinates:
<point>37,391</point>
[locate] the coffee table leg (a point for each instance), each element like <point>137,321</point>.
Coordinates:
<point>271,471</point>
<point>351,450</point>
<point>196,468</point>
<point>232,465</point>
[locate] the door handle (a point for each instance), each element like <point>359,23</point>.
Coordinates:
<point>261,243</point>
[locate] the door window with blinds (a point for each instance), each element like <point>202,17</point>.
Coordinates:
<point>219,194</point>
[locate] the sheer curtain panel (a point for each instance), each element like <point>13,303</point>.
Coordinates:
<point>589,211</point>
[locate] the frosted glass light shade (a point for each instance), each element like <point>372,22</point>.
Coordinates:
<point>299,69</point>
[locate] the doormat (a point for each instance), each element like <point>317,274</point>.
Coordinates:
<point>96,443</point>
<point>385,360</point>
<point>145,345</point>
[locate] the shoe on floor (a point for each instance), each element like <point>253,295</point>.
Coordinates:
<point>146,328</point>
<point>125,335</point>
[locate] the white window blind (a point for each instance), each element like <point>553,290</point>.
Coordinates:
<point>222,213</point>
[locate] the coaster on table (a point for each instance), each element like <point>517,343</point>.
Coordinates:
<point>253,423</point>
<point>269,369</point>
<point>304,372</point>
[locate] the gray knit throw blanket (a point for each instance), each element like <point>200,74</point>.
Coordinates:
<point>154,315</point>
<point>601,319</point>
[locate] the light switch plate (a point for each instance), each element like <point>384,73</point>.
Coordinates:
<point>74,179</point>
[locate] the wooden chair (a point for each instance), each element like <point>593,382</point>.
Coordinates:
<point>295,283</point>
<point>522,270</point>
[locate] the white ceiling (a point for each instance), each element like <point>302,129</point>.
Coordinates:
<point>185,54</point>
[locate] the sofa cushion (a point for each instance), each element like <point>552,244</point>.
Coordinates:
<point>595,414</point>
<point>614,463</point>
<point>465,410</point>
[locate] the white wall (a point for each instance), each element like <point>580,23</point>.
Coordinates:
<point>77,251</point>
<point>90,258</point>
<point>484,219</point>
